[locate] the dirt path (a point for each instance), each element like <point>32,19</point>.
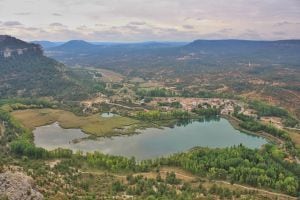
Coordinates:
<point>293,93</point>
<point>126,107</point>
<point>115,104</point>
<point>259,190</point>
<point>183,175</point>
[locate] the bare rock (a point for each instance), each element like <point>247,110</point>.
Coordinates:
<point>17,186</point>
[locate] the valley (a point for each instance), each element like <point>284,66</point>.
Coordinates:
<point>131,131</point>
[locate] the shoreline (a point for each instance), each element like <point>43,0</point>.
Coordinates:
<point>234,122</point>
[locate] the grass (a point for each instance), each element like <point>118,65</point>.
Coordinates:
<point>1,129</point>
<point>94,124</point>
<point>295,136</point>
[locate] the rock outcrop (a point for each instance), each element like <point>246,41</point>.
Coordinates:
<point>17,186</point>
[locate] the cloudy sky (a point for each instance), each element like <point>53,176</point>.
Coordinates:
<point>149,20</point>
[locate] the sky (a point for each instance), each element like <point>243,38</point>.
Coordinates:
<point>150,20</point>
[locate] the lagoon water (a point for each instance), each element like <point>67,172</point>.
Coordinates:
<point>108,115</point>
<point>152,142</point>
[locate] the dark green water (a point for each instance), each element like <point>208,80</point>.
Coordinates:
<point>152,142</point>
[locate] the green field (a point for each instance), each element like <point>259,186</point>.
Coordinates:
<point>94,124</point>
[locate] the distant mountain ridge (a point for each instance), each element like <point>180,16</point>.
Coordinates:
<point>246,48</point>
<point>75,45</point>
<point>47,44</point>
<point>93,47</point>
<point>241,43</point>
<point>197,54</point>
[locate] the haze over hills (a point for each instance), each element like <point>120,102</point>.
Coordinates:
<point>75,46</point>
<point>47,44</point>
<point>211,53</point>
<point>81,45</point>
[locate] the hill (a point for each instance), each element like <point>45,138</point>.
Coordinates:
<point>197,55</point>
<point>47,44</point>
<point>26,72</point>
<point>279,51</point>
<point>76,46</point>
<point>8,42</point>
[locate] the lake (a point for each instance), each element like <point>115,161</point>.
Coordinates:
<point>152,142</point>
<point>107,115</point>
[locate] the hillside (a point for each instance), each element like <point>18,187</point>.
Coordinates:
<point>46,44</point>
<point>75,46</point>
<point>8,43</point>
<point>26,72</point>
<point>281,51</point>
<point>195,56</point>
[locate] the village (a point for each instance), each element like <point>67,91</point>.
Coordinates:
<point>125,99</point>
<point>226,106</point>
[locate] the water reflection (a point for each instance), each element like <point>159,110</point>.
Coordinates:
<point>186,122</point>
<point>152,142</point>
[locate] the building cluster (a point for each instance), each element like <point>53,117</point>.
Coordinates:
<point>225,105</point>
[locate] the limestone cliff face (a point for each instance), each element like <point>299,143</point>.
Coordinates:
<point>17,186</point>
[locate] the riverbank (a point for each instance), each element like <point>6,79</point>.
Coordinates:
<point>235,123</point>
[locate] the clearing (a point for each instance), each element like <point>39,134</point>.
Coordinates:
<point>108,75</point>
<point>295,136</point>
<point>188,177</point>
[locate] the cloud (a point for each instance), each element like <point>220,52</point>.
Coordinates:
<point>129,20</point>
<point>137,23</point>
<point>100,25</point>
<point>23,13</point>
<point>280,33</point>
<point>56,24</point>
<point>188,26</point>
<point>82,28</point>
<point>57,14</point>
<point>250,35</point>
<point>283,23</point>
<point>225,30</point>
<point>12,23</point>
